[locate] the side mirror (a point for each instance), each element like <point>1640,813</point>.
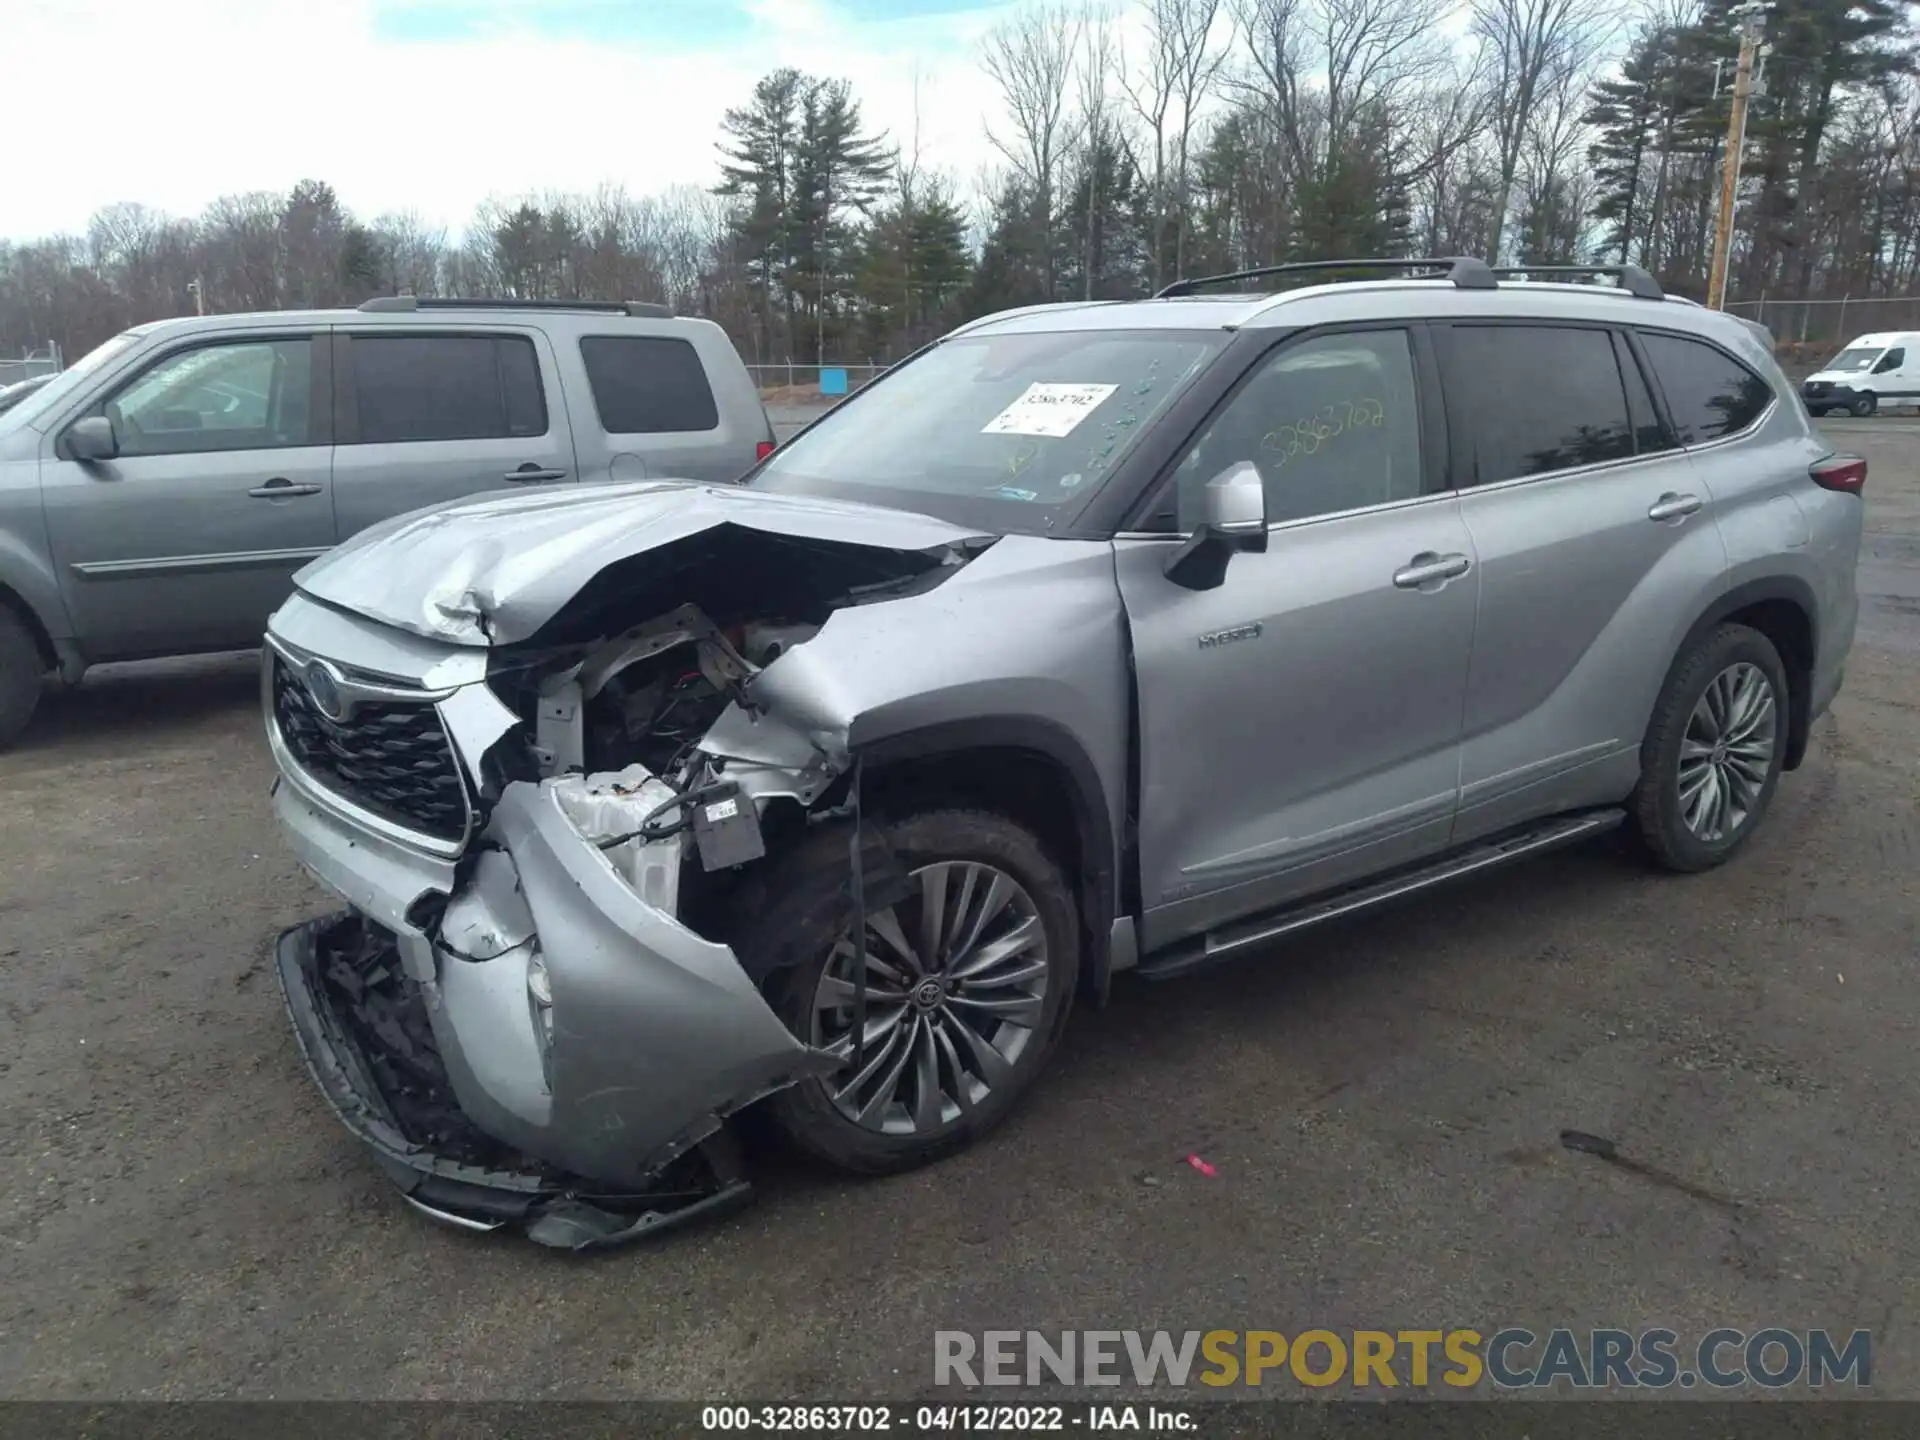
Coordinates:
<point>1233,517</point>
<point>92,439</point>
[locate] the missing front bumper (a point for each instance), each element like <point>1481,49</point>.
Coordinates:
<point>364,1032</point>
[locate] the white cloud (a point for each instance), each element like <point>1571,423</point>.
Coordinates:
<point>177,102</point>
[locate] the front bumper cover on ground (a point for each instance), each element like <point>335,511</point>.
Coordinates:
<point>363,1030</point>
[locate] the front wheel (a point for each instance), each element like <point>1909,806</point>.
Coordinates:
<point>1711,758</point>
<point>970,977</point>
<point>1865,405</point>
<point>21,675</point>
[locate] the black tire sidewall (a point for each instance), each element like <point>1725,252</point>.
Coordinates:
<point>808,906</point>
<point>22,672</point>
<point>1657,802</point>
<point>1864,406</point>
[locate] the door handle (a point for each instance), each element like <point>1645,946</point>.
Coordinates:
<point>281,488</point>
<point>532,474</point>
<point>1427,567</point>
<point>1673,507</point>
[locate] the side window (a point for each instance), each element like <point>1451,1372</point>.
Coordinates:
<point>1709,393</point>
<point>1649,435</point>
<point>1530,399</point>
<point>246,395</point>
<point>446,387</point>
<point>647,384</point>
<point>1891,361</point>
<point>1332,423</point>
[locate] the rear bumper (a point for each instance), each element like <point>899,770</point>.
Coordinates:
<point>363,1029</point>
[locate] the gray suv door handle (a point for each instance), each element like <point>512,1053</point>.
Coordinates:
<point>1427,567</point>
<point>1673,507</point>
<point>531,474</point>
<point>280,488</point>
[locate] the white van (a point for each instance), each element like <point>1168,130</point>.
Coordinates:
<point>1872,371</point>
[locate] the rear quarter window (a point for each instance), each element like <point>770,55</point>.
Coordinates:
<point>648,384</point>
<point>1709,394</point>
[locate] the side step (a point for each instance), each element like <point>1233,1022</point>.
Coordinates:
<point>1221,944</point>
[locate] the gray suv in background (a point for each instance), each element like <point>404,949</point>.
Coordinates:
<point>1094,638</point>
<point>157,497</point>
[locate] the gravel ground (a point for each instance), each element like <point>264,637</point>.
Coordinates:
<point>1382,1103</point>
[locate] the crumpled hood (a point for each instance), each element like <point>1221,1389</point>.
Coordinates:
<point>494,570</point>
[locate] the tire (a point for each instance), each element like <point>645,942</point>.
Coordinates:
<point>1864,405</point>
<point>22,672</point>
<point>1749,687</point>
<point>792,938</point>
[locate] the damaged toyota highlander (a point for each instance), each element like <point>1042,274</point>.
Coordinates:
<point>1093,638</point>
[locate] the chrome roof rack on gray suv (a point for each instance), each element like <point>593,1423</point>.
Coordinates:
<point>1463,270</point>
<point>387,304</point>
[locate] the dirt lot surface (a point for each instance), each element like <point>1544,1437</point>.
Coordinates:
<point>1382,1103</point>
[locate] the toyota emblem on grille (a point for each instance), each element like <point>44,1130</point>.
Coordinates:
<point>323,684</point>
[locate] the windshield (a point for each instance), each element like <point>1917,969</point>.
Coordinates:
<point>63,384</point>
<point>1002,432</point>
<point>1854,361</point>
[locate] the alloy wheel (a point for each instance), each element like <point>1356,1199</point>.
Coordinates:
<point>1726,754</point>
<point>957,981</point>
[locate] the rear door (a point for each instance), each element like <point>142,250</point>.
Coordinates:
<point>188,538</point>
<point>663,407</point>
<point>424,416</point>
<point>1593,531</point>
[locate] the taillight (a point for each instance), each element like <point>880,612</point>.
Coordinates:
<point>1845,473</point>
<point>762,450</point>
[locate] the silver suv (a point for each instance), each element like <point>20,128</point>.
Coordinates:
<point>1095,638</point>
<point>156,498</point>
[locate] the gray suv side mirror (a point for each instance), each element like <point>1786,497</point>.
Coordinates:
<point>92,439</point>
<point>1233,517</point>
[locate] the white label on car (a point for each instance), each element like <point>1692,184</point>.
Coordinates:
<point>722,810</point>
<point>1046,409</point>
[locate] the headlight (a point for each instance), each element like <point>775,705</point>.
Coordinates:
<point>540,1006</point>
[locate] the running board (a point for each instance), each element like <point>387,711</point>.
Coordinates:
<point>1223,943</point>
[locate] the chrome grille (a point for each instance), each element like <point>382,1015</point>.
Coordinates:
<point>392,758</point>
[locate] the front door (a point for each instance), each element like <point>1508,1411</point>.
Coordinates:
<point>1300,722</point>
<point>188,538</point>
<point>429,417</point>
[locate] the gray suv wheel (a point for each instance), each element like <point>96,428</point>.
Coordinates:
<point>21,675</point>
<point>1712,755</point>
<point>970,980</point>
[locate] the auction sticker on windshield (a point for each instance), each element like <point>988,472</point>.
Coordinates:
<point>1048,409</point>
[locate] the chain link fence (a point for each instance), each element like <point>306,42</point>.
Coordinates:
<point>1808,333</point>
<point>30,363</point>
<point>800,384</point>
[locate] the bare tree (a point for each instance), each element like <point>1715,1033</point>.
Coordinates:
<point>1030,57</point>
<point>1529,44</point>
<point>1182,63</point>
<point>1098,52</point>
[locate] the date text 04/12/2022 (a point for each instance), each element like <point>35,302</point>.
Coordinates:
<point>944,1419</point>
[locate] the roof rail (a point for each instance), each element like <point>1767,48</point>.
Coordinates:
<point>1463,270</point>
<point>391,304</point>
<point>1633,279</point>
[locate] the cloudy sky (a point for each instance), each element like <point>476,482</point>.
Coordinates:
<point>432,105</point>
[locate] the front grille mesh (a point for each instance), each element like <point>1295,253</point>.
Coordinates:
<point>392,759</point>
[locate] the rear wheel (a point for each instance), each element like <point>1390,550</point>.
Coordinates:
<point>1864,405</point>
<point>1711,758</point>
<point>970,978</point>
<point>21,674</point>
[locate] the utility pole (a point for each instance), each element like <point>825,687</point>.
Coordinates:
<point>199,293</point>
<point>1752,20</point>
